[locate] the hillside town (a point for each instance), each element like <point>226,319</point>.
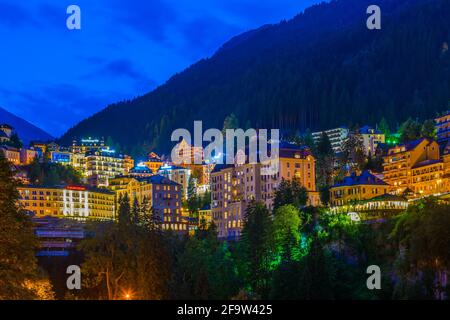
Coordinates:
<point>406,172</point>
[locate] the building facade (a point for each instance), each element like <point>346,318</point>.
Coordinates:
<point>166,203</point>
<point>416,167</point>
<point>356,188</point>
<point>234,187</point>
<point>177,174</point>
<point>370,138</point>
<point>11,154</point>
<point>337,137</point>
<point>76,202</point>
<point>102,165</point>
<point>443,127</point>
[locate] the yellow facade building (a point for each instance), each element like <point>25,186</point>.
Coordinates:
<point>416,167</point>
<point>134,188</point>
<point>355,188</point>
<point>77,202</point>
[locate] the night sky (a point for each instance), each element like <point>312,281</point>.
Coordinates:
<point>54,77</point>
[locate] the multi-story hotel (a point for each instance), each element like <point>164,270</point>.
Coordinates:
<point>225,206</point>
<point>135,188</point>
<point>443,127</point>
<point>11,154</point>
<point>166,203</point>
<point>356,188</point>
<point>294,163</point>
<point>77,202</point>
<point>27,156</point>
<point>177,174</point>
<point>233,187</point>
<point>102,165</point>
<point>416,167</point>
<point>86,145</point>
<point>337,137</point>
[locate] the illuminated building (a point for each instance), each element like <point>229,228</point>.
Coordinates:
<point>76,202</point>
<point>443,127</point>
<point>135,188</point>
<point>177,174</point>
<point>371,138</point>
<point>337,137</point>
<point>166,203</point>
<point>188,153</point>
<point>39,146</point>
<point>223,198</point>
<point>357,187</point>
<point>141,170</point>
<point>27,156</point>
<point>128,163</point>
<point>11,154</point>
<point>375,208</point>
<point>61,157</point>
<point>154,162</point>
<point>415,166</point>
<point>101,165</point>
<point>5,132</point>
<point>205,215</point>
<point>294,163</point>
<point>86,145</point>
<point>233,187</point>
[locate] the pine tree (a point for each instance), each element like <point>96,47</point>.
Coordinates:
<point>124,210</point>
<point>256,244</point>
<point>135,211</point>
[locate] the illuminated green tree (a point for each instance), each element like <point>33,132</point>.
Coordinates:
<point>257,248</point>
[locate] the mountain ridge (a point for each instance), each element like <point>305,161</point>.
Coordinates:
<point>27,132</point>
<point>320,69</point>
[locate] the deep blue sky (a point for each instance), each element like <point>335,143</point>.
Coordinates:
<point>54,77</point>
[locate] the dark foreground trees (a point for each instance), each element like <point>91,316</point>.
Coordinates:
<point>290,254</point>
<point>423,258</point>
<point>19,275</point>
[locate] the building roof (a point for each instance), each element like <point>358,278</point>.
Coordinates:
<point>141,169</point>
<point>69,187</point>
<point>367,130</point>
<point>5,125</point>
<point>365,178</point>
<point>206,207</point>
<point>3,134</point>
<point>220,167</point>
<point>411,145</point>
<point>159,179</point>
<point>9,148</point>
<point>426,163</point>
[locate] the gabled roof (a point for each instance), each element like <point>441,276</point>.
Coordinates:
<point>365,178</point>
<point>426,163</point>
<point>159,179</point>
<point>411,145</point>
